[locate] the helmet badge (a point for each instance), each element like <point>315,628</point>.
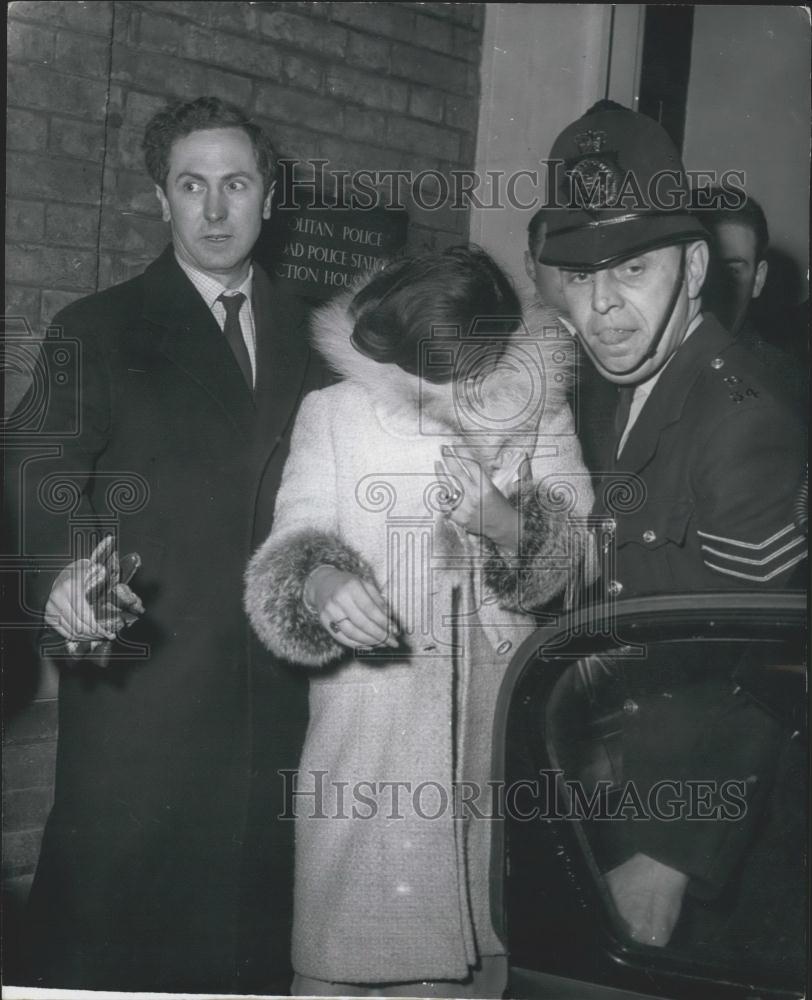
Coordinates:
<point>595,177</point>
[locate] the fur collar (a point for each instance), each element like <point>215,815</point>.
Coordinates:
<point>529,383</point>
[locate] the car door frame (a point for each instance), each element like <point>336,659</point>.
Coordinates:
<point>723,612</point>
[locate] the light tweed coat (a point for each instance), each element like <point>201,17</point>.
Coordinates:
<point>383,892</point>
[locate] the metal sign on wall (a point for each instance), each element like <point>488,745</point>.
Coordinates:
<point>318,252</point>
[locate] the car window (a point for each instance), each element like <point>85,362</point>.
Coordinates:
<point>671,786</point>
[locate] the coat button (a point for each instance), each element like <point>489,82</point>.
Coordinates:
<point>615,587</point>
<point>649,536</point>
<point>717,363</point>
<point>505,646</point>
<point>630,707</point>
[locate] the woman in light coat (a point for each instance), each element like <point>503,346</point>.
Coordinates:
<point>432,499</point>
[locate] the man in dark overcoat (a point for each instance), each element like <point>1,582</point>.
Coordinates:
<point>708,457</point>
<point>163,865</point>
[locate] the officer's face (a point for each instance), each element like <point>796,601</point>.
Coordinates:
<point>214,202</point>
<point>618,312</point>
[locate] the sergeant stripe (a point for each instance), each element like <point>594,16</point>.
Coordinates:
<point>756,562</point>
<point>754,576</point>
<point>747,545</point>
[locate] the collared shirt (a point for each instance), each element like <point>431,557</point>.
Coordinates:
<point>643,390</point>
<point>211,289</point>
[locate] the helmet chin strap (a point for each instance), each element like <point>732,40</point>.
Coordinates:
<point>667,316</point>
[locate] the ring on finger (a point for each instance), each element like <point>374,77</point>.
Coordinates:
<point>453,498</point>
<point>334,624</point>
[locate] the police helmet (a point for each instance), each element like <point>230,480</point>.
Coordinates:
<point>616,188</point>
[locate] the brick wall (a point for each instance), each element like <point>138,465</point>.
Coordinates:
<point>391,86</point>
<point>364,86</point>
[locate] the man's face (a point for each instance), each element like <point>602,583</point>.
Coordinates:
<point>736,276</point>
<point>214,202</point>
<point>618,312</point>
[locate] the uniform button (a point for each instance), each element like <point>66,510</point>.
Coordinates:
<point>649,536</point>
<point>505,646</point>
<point>717,363</point>
<point>609,525</point>
<point>630,707</point>
<point>615,587</point>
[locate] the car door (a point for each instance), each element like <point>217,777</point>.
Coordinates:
<point>653,767</point>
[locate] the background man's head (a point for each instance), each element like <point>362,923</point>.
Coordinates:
<point>547,280</point>
<point>214,178</point>
<point>739,241</point>
<point>632,255</point>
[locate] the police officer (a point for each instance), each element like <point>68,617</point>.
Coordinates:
<point>719,453</point>
<point>713,455</point>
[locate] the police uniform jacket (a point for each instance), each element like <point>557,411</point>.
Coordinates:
<point>701,496</point>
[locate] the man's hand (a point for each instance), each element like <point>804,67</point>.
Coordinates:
<point>648,896</point>
<point>89,602</point>
<point>478,505</point>
<point>352,610</point>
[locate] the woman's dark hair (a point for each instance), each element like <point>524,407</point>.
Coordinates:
<point>418,311</point>
<point>181,118</point>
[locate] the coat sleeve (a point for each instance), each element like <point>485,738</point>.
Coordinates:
<point>747,480</point>
<point>554,503</point>
<point>305,535</point>
<point>50,476</point>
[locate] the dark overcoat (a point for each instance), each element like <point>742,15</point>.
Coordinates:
<point>162,866</point>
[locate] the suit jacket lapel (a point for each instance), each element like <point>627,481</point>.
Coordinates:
<point>283,352</point>
<point>664,405</point>
<point>191,339</point>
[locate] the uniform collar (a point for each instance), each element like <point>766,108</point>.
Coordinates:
<point>644,388</point>
<point>667,399</point>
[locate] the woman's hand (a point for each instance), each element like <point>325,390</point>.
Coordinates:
<point>475,502</point>
<point>352,610</point>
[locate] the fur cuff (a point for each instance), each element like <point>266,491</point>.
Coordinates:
<point>545,563</point>
<point>274,601</point>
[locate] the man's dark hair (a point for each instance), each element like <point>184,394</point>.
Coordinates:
<point>749,214</point>
<point>181,118</point>
<point>460,289</point>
